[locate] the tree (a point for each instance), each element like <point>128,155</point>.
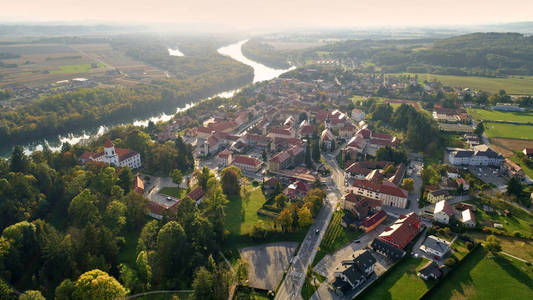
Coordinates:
<point>32,295</point>
<point>148,237</point>
<point>230,180</point>
<point>18,161</point>
<point>308,162</point>
<point>264,155</point>
<point>480,128</point>
<point>408,184</point>
<point>450,262</point>
<point>211,283</point>
<point>65,290</point>
<point>315,153</point>
<point>82,209</point>
<point>135,210</point>
<point>286,219</point>
<point>115,216</point>
<point>280,200</point>
<point>6,292</point>
<point>492,244</point>
<point>304,217</point>
<point>203,177</point>
<point>241,271</point>
<point>514,187</point>
<point>171,249</point>
<point>202,284</point>
<point>97,284</point>
<point>125,179</point>
<point>176,176</point>
<point>144,270</point>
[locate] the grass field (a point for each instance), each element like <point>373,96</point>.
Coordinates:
<point>518,220</point>
<point>481,277</point>
<point>73,69</point>
<point>527,170</point>
<point>499,130</point>
<point>520,248</point>
<point>401,282</point>
<point>494,115</point>
<point>241,213</point>
<point>512,85</point>
<point>173,192</point>
<point>335,237</point>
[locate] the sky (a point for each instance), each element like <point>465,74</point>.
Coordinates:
<point>245,14</point>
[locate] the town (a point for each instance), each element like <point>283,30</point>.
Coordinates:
<point>391,208</point>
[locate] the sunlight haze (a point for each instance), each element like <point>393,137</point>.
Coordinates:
<point>241,14</point>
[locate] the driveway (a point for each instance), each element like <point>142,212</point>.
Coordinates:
<point>267,263</point>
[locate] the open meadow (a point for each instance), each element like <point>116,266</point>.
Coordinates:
<point>494,115</point>
<point>500,130</point>
<point>520,85</point>
<point>482,277</point>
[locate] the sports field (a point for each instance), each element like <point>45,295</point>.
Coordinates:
<point>73,69</point>
<point>522,85</point>
<point>511,131</point>
<point>494,115</point>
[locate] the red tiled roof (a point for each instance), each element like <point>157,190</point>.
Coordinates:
<point>307,129</point>
<point>351,197</point>
<point>86,156</point>
<point>382,136</point>
<point>529,151</point>
<point>246,160</point>
<point>402,231</point>
<point>196,194</point>
<point>225,125</point>
<point>124,154</point>
<point>204,129</point>
<point>281,131</point>
<point>444,206</point>
<point>224,153</point>
<point>380,188</point>
<point>365,132</point>
<point>373,219</point>
<point>281,157</point>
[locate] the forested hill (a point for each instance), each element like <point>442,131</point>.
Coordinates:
<point>266,54</point>
<point>482,54</point>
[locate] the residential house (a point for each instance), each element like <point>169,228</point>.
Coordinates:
<point>358,115</point>
<point>468,218</point>
<point>281,132</point>
<point>430,270</point>
<point>435,246</point>
<point>347,131</point>
<point>528,152</point>
<point>288,158</point>
<point>352,273</point>
<point>224,158</point>
<point>297,189</point>
<point>197,195</point>
<point>402,231</point>
<point>438,195</point>
<point>443,212</point>
<point>511,169</point>
<point>327,139</point>
<point>138,185</point>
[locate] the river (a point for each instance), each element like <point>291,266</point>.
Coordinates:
<point>261,73</point>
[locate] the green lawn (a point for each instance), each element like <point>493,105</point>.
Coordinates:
<point>527,170</point>
<point>241,213</point>
<point>72,69</point>
<point>481,277</point>
<point>335,237</point>
<point>494,130</point>
<point>518,219</point>
<point>494,115</point>
<point>401,282</point>
<point>512,85</point>
<point>173,192</point>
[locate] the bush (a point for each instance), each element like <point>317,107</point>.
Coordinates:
<point>450,261</point>
<point>517,234</point>
<point>469,245</point>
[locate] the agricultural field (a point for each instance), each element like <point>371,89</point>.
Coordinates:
<point>517,221</point>
<point>515,85</point>
<point>335,237</point>
<point>527,170</point>
<point>500,130</point>
<point>40,64</point>
<point>75,69</point>
<point>494,115</point>
<point>507,147</point>
<point>482,277</point>
<point>401,282</point>
<point>521,248</point>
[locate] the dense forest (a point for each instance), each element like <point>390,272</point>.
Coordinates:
<point>266,54</point>
<point>64,225</point>
<point>480,54</point>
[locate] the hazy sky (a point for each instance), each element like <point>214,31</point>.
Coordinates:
<point>270,13</point>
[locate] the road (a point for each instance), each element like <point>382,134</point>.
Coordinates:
<point>294,279</point>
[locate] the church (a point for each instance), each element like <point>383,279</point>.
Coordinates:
<point>118,157</point>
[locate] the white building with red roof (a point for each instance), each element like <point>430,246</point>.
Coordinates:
<point>224,158</point>
<point>247,163</point>
<point>388,194</point>
<point>119,157</point>
<point>443,212</point>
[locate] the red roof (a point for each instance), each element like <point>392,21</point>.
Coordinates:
<point>86,156</point>
<point>365,132</point>
<point>108,144</point>
<point>204,129</point>
<point>224,153</point>
<point>307,129</point>
<point>246,160</point>
<point>281,131</point>
<point>280,157</point>
<point>380,188</point>
<point>138,182</point>
<point>156,208</point>
<point>382,136</point>
<point>196,194</point>
<point>375,218</point>
<point>351,197</point>
<point>402,231</point>
<point>529,151</point>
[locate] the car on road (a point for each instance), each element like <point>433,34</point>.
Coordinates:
<point>358,241</point>
<point>317,231</point>
<point>169,199</point>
